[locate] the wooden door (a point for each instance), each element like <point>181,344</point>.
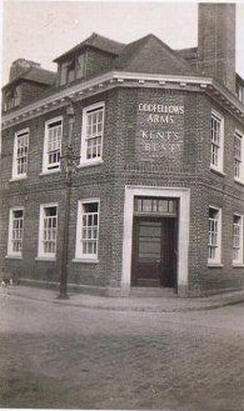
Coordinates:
<point>154,252</point>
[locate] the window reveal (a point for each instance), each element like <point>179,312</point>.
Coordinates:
<point>17,230</point>
<point>49,230</point>
<point>94,130</point>
<point>72,70</point>
<point>52,145</point>
<point>237,239</point>
<point>21,154</point>
<point>215,141</point>
<point>214,235</point>
<point>89,237</point>
<point>237,156</point>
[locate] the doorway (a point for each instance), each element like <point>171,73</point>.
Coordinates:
<point>154,260</point>
<point>178,207</point>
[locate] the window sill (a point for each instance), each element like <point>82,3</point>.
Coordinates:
<point>85,260</point>
<point>215,265</point>
<point>237,265</point>
<point>239,181</point>
<point>90,163</point>
<point>45,173</point>
<point>14,257</point>
<point>218,172</point>
<point>17,178</point>
<point>45,258</point>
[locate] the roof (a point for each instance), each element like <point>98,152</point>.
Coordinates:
<point>188,53</point>
<point>151,55</point>
<point>36,74</point>
<point>148,54</point>
<point>97,41</point>
<point>239,80</point>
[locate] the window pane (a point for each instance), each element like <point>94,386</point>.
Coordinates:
<point>89,229</point>
<point>49,234</point>
<point>94,133</point>
<point>53,150</point>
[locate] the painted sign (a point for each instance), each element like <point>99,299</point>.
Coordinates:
<point>160,128</point>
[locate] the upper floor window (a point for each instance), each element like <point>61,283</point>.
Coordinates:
<point>72,69</point>
<point>20,155</point>
<point>238,157</point>
<point>217,141</point>
<point>92,133</point>
<point>52,145</point>
<point>48,230</point>
<point>237,239</point>
<point>87,230</point>
<point>16,232</point>
<point>214,236</point>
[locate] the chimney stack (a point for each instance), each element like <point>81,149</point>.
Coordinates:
<point>21,66</point>
<point>216,42</point>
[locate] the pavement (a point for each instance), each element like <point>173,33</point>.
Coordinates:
<point>59,355</point>
<point>163,303</point>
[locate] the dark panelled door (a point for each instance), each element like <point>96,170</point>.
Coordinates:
<point>154,252</point>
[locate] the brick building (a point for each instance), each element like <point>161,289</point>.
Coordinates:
<point>157,198</point>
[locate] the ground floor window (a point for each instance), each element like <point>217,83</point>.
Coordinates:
<point>48,230</point>
<point>237,239</point>
<point>87,229</point>
<point>214,235</point>
<point>16,231</point>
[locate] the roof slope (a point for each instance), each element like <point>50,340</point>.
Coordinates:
<point>97,41</point>
<point>36,74</point>
<point>40,75</point>
<point>151,55</point>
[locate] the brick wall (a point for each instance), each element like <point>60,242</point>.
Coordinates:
<point>216,42</point>
<point>123,165</point>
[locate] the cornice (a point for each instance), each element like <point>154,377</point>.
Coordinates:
<point>124,79</point>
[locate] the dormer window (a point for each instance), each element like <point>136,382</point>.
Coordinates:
<point>72,69</point>
<point>241,94</point>
<point>12,98</point>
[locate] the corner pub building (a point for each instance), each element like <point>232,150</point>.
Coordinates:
<point>157,196</point>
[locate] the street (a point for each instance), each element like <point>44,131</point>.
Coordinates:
<point>60,356</point>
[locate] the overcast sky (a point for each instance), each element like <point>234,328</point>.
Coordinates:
<point>42,30</point>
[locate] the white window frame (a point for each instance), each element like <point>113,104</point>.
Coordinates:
<point>83,155</point>
<point>219,146</point>
<point>45,166</point>
<point>217,259</point>
<point>79,255</point>
<point>41,253</point>
<point>239,178</point>
<point>239,261</point>
<point>18,134</point>
<point>10,251</point>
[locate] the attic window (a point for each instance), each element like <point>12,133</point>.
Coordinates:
<point>12,98</point>
<point>72,70</point>
<point>240,93</point>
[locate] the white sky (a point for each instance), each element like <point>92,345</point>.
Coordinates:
<point>42,30</point>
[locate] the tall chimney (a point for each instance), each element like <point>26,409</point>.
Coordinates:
<point>216,42</point>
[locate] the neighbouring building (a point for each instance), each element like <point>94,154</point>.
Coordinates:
<point>158,192</point>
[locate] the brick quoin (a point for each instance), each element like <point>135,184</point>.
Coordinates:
<point>144,146</point>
